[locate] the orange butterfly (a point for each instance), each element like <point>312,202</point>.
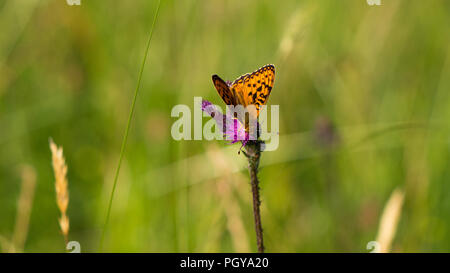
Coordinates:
<point>249,89</point>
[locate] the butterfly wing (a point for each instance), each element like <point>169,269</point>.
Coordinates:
<point>254,88</point>
<point>224,91</point>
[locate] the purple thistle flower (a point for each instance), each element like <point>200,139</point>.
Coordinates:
<point>230,126</point>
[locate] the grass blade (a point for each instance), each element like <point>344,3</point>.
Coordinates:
<point>125,137</point>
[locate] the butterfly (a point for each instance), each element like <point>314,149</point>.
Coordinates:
<point>249,89</point>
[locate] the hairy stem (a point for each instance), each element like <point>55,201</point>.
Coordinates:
<point>253,153</point>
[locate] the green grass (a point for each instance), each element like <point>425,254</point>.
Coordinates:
<point>125,136</point>
<point>364,109</point>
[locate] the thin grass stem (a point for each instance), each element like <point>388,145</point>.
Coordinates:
<point>125,137</point>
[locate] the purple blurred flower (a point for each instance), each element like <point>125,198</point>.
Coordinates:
<point>230,126</point>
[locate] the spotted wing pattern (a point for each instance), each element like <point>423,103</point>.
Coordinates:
<point>254,88</point>
<point>224,90</point>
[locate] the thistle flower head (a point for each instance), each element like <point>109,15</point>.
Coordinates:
<point>230,126</point>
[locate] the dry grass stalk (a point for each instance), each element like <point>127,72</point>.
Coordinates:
<point>24,208</point>
<point>389,220</point>
<point>61,186</point>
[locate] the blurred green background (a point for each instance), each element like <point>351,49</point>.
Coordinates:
<point>364,109</point>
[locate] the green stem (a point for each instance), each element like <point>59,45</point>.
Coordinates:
<point>125,137</point>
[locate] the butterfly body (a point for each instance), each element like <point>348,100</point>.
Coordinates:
<point>249,89</point>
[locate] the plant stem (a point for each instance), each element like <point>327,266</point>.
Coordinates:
<point>253,154</point>
<point>125,137</point>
